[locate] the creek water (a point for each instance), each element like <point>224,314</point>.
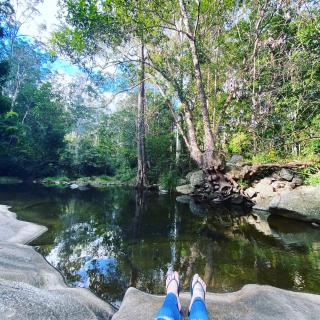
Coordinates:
<point>108,240</point>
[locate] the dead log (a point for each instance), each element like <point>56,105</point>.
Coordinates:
<point>249,172</point>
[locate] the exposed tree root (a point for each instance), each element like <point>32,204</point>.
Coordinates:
<point>223,186</point>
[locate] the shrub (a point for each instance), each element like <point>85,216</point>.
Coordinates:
<point>169,180</point>
<point>52,180</point>
<point>265,157</point>
<point>313,179</point>
<point>239,143</point>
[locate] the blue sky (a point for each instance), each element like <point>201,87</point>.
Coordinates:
<point>64,65</point>
<point>40,26</point>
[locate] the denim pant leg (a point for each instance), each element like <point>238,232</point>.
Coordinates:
<point>198,310</point>
<point>169,309</point>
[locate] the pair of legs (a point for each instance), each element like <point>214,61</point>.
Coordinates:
<point>171,308</point>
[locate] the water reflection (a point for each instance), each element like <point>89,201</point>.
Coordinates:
<point>109,240</point>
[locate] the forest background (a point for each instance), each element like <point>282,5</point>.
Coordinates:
<point>198,80</point>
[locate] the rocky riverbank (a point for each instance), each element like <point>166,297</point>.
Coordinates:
<point>278,190</point>
<point>251,302</point>
<point>32,289</point>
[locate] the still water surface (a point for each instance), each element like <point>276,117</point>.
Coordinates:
<point>108,240</point>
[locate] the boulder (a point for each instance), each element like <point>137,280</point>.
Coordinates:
<point>188,176</point>
<point>297,181</point>
<point>31,289</point>
<point>250,192</point>
<point>265,193</point>
<point>262,202</point>
<point>185,189</point>
<point>251,302</point>
<point>74,186</point>
<point>182,181</point>
<point>197,179</point>
<point>285,174</point>
<point>302,203</point>
<point>236,159</point>
<point>278,185</point>
<point>264,188</point>
<point>13,230</point>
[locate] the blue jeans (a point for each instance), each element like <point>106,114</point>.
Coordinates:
<point>170,310</point>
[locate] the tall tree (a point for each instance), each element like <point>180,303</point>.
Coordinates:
<point>110,25</point>
<point>142,166</point>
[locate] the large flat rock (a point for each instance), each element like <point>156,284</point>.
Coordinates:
<point>16,231</point>
<point>251,302</point>
<point>302,203</point>
<point>32,289</point>
<point>22,301</point>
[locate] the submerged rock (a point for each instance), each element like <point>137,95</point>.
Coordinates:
<point>195,207</point>
<point>303,203</point>
<point>184,199</point>
<point>251,302</point>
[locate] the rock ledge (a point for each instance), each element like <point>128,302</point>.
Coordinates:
<point>251,302</point>
<point>32,289</point>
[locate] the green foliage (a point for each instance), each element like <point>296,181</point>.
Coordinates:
<point>265,157</point>
<point>313,179</point>
<point>244,184</point>
<point>239,143</point>
<point>262,87</point>
<point>310,174</point>
<point>53,180</point>
<point>169,180</point>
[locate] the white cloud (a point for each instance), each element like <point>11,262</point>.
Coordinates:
<point>39,25</point>
<point>114,100</point>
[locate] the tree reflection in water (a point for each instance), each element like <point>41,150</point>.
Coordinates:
<point>112,239</point>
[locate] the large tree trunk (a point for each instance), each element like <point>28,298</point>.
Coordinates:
<point>142,168</point>
<point>208,136</point>
<point>178,142</point>
<point>210,161</point>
